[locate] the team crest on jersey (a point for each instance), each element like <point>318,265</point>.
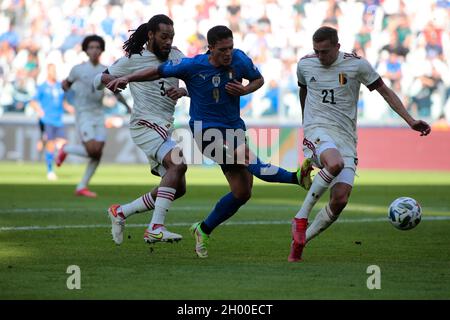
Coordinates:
<point>231,74</point>
<point>216,80</point>
<point>342,78</point>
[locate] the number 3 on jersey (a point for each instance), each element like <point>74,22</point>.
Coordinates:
<point>163,90</point>
<point>325,96</point>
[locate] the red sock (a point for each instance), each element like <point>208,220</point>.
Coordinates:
<point>156,226</point>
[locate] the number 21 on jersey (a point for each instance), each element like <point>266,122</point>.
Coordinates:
<point>328,96</point>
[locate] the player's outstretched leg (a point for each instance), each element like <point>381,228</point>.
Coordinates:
<point>82,188</point>
<point>298,239</point>
<point>201,240</point>
<point>67,149</point>
<point>118,214</point>
<point>322,221</point>
<point>270,173</point>
<point>85,192</point>
<point>156,231</point>
<point>224,209</point>
<point>304,174</point>
<point>266,171</point>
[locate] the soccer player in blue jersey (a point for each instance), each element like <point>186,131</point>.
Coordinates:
<point>214,83</point>
<point>49,103</point>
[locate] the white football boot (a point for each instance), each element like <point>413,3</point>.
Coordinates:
<point>161,234</point>
<point>117,224</point>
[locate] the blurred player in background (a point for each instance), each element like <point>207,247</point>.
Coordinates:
<point>329,83</point>
<point>151,124</point>
<point>89,112</point>
<point>49,103</point>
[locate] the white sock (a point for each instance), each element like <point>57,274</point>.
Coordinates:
<point>90,170</point>
<point>163,201</point>
<point>141,204</point>
<point>76,149</point>
<point>322,221</point>
<point>319,185</point>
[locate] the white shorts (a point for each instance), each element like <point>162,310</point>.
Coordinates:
<point>318,140</point>
<point>155,142</point>
<point>91,128</point>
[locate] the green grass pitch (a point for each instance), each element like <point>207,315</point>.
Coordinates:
<point>44,229</point>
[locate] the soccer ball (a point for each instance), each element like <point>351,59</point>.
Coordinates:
<point>405,213</point>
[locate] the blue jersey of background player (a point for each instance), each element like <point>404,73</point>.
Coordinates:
<point>210,102</point>
<point>49,103</point>
<point>50,97</point>
<point>214,84</point>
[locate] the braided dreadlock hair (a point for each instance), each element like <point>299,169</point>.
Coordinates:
<point>137,40</point>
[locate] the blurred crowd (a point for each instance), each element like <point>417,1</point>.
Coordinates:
<point>407,41</point>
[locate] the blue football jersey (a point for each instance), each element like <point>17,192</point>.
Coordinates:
<point>210,103</point>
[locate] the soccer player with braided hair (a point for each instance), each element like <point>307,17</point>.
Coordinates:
<point>151,124</point>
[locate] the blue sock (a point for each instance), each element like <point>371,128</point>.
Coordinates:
<point>224,209</point>
<point>271,173</point>
<point>49,161</point>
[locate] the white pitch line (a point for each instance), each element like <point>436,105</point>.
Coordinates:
<point>187,224</point>
<point>102,209</point>
<point>36,210</point>
<point>352,207</point>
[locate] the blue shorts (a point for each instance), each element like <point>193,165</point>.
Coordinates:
<point>52,132</point>
<point>219,145</point>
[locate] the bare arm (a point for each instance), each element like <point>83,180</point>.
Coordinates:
<point>176,93</point>
<point>302,93</point>
<point>66,84</point>
<point>254,85</point>
<point>147,74</point>
<point>68,107</point>
<point>102,79</point>
<point>396,105</point>
<point>36,107</point>
<point>107,78</point>
<point>236,88</point>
